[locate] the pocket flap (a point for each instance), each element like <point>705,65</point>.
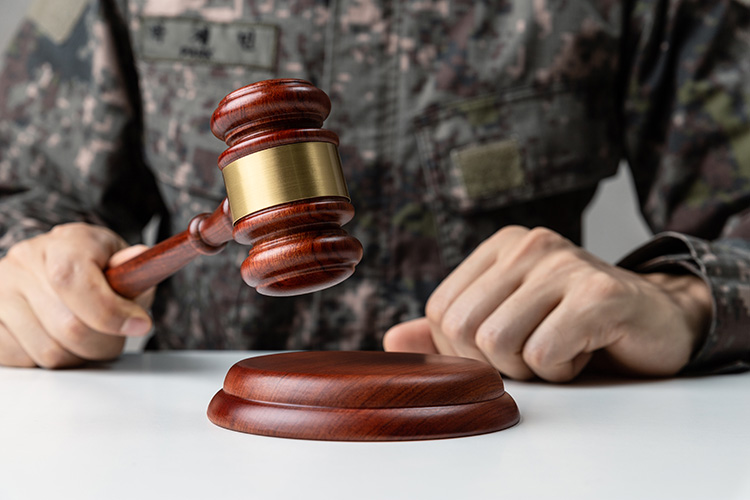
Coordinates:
<point>488,152</point>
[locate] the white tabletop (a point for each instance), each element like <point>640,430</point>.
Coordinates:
<point>137,429</point>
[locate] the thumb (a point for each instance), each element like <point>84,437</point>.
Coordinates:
<point>126,254</point>
<point>146,298</point>
<point>410,336</point>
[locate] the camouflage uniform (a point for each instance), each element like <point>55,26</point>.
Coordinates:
<point>456,118</point>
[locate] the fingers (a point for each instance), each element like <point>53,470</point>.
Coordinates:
<point>471,269</point>
<point>556,351</point>
<point>73,269</point>
<point>146,299</point>
<point>410,336</point>
<point>598,310</point>
<point>11,352</point>
<point>125,254</point>
<point>26,338</point>
<point>459,309</point>
<point>56,307</point>
<point>454,315</point>
<point>517,303</point>
<point>503,335</point>
<point>533,304</point>
<point>68,330</point>
<point>470,293</point>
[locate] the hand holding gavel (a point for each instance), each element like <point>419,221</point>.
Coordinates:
<point>286,197</point>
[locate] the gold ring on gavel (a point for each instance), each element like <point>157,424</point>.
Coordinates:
<point>283,174</point>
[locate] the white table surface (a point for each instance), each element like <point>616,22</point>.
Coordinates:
<point>137,429</point>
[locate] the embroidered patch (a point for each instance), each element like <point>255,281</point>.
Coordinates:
<point>56,18</point>
<point>196,40</point>
<point>491,168</point>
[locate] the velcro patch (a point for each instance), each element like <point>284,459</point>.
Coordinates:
<point>196,40</point>
<point>490,168</point>
<point>56,18</point>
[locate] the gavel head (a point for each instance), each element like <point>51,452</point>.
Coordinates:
<point>285,187</point>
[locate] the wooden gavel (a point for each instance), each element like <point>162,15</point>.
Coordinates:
<point>286,196</point>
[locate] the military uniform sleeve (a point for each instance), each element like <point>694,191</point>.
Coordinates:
<point>70,140</point>
<point>687,135</point>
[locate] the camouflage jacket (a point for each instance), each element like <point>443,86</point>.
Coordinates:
<point>456,117</point>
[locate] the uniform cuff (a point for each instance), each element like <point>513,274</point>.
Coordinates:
<point>725,266</point>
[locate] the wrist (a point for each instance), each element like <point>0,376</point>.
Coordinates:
<point>692,296</point>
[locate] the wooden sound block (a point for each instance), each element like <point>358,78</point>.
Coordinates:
<point>362,396</point>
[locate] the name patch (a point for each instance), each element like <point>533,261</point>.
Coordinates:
<point>199,41</point>
<point>489,169</point>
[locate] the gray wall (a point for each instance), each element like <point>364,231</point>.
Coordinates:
<point>612,223</point>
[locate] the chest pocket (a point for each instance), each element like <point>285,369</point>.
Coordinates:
<point>518,157</point>
<point>498,150</point>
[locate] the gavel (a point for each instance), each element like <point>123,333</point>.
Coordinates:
<point>286,197</point>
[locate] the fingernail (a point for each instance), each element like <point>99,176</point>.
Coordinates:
<point>135,327</point>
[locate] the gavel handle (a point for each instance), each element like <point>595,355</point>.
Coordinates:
<point>206,234</point>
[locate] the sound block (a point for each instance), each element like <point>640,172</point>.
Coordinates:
<point>362,396</point>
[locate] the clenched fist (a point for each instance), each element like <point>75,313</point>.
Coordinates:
<point>56,307</point>
<point>532,303</point>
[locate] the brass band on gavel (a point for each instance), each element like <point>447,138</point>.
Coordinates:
<point>283,174</point>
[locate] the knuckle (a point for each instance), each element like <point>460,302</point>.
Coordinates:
<point>20,250</point>
<point>535,242</point>
<point>88,343</point>
<point>536,356</point>
<point>564,258</point>
<point>453,327</point>
<point>64,230</point>
<point>506,233</point>
<point>604,286</point>
<point>64,234</point>
<point>61,270</point>
<point>567,263</point>
<point>52,357</point>
<point>489,338</point>
<point>435,308</point>
<point>73,330</point>
<point>103,318</point>
<point>561,264</point>
<point>60,229</point>
<point>542,238</point>
<point>512,229</point>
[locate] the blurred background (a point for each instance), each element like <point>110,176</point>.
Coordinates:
<point>613,224</point>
